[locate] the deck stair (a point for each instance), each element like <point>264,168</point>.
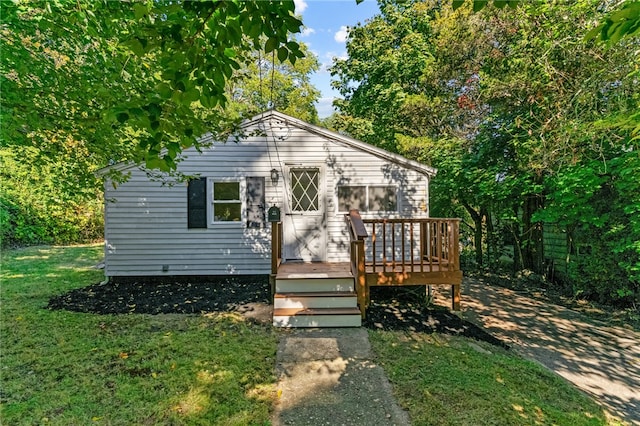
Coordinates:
<point>315,295</point>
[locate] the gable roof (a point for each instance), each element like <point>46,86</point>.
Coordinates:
<point>343,140</point>
<point>320,131</point>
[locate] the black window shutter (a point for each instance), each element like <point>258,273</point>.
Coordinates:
<point>255,202</point>
<point>197,203</point>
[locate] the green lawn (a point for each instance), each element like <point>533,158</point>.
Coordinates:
<point>447,380</point>
<point>68,368</point>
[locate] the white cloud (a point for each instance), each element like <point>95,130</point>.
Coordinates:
<point>326,61</point>
<point>341,35</point>
<point>301,6</point>
<point>306,31</point>
<point>325,107</point>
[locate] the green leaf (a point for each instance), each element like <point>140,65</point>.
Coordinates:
<point>154,109</point>
<point>140,10</point>
<point>157,163</point>
<point>478,5</point>
<point>457,3</point>
<point>136,47</point>
<point>122,117</point>
<point>594,33</point>
<point>271,44</point>
<point>282,53</point>
<point>191,95</point>
<point>229,52</point>
<point>164,90</point>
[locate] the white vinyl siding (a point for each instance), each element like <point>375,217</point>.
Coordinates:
<point>146,221</point>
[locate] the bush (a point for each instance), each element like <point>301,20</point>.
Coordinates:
<point>41,204</point>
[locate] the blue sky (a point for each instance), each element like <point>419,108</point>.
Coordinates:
<point>326,23</point>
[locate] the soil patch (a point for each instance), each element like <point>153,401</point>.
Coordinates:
<point>392,308</point>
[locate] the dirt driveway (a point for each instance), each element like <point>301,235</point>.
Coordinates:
<point>603,361</point>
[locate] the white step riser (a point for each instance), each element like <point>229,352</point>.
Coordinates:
<point>315,302</point>
<point>314,284</point>
<point>317,321</point>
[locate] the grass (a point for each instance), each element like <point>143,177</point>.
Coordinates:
<point>65,368</point>
<point>448,380</point>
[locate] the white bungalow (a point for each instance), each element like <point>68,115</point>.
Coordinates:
<point>281,198</point>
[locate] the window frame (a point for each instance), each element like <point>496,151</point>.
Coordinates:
<point>367,203</point>
<point>211,202</point>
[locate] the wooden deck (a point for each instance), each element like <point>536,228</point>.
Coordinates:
<point>292,270</point>
<point>404,251</point>
<point>383,252</point>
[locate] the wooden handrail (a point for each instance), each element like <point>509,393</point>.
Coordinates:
<point>356,225</point>
<point>358,234</point>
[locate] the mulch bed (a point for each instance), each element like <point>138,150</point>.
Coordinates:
<point>165,297</point>
<point>394,308</point>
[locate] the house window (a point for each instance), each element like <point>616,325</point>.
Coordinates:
<point>382,199</point>
<point>226,202</point>
<point>352,197</point>
<point>372,198</point>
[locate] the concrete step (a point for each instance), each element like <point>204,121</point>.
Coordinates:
<point>332,299</point>
<point>313,284</point>
<point>319,317</point>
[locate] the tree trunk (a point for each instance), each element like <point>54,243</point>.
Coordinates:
<point>517,251</point>
<point>532,239</point>
<point>477,232</point>
<point>492,245</point>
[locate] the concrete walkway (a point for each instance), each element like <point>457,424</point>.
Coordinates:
<point>328,377</point>
<point>601,360</point>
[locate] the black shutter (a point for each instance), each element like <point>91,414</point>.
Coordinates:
<point>197,203</point>
<point>255,202</point>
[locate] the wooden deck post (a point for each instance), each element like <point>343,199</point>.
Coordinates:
<point>361,282</point>
<point>276,253</point>
<point>455,297</point>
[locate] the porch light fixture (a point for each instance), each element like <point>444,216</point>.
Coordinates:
<point>275,176</point>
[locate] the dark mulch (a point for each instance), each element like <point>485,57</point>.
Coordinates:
<point>406,309</point>
<point>395,308</point>
<point>222,294</point>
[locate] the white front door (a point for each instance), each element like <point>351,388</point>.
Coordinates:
<point>305,231</point>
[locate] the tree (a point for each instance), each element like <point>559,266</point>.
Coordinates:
<point>89,83</point>
<point>137,82</point>
<point>266,82</point>
<point>624,22</point>
<point>502,102</point>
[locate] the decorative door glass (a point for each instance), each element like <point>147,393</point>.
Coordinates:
<point>304,190</point>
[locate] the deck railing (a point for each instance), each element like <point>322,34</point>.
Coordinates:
<point>404,251</point>
<point>412,245</point>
